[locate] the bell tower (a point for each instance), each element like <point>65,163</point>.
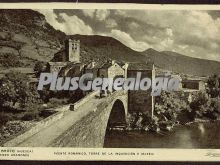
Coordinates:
<point>73,50</point>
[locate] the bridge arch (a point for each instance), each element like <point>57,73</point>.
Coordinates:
<point>117,114</point>
<point>93,127</point>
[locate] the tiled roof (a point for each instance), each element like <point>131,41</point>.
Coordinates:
<point>96,65</point>
<point>60,56</point>
<point>68,67</point>
<point>106,65</point>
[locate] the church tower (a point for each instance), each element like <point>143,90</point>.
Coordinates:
<point>73,50</point>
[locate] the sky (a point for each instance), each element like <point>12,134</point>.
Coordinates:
<point>189,32</point>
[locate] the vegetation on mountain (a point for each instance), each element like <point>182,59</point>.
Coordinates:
<point>16,93</point>
<point>27,35</point>
<point>9,60</point>
<point>40,67</point>
<point>179,63</point>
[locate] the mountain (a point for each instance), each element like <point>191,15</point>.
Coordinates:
<point>96,47</point>
<point>182,64</point>
<point>25,34</point>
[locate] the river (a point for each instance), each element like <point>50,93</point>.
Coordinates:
<point>196,135</point>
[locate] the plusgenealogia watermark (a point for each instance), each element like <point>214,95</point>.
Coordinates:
<point>87,83</point>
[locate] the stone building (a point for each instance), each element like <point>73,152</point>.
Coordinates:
<point>93,68</point>
<point>111,69</point>
<point>69,56</point>
<point>68,64</point>
<point>193,84</point>
<point>140,100</point>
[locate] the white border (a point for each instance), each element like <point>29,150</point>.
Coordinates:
<point>106,6</point>
<point>47,153</point>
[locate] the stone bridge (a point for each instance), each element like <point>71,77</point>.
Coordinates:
<point>84,127</point>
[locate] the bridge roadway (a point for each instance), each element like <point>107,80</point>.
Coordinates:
<point>46,136</point>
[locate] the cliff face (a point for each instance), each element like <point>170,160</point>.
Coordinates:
<point>27,35</point>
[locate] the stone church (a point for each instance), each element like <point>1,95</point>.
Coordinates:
<point>67,61</point>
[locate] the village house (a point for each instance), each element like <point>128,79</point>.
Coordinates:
<point>110,69</point>
<point>191,87</point>
<point>93,68</point>
<point>193,84</point>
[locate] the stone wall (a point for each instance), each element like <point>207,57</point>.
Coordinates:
<point>77,104</point>
<point>115,71</point>
<point>90,130</point>
<point>56,66</point>
<point>21,136</point>
<point>33,130</point>
<point>140,100</point>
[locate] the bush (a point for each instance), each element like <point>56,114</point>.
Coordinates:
<point>138,120</point>
<point>204,106</point>
<point>213,86</point>
<point>169,105</point>
<point>215,103</point>
<point>45,94</point>
<point>55,102</point>
<point>4,118</point>
<point>40,67</point>
<point>12,128</point>
<point>31,115</point>
<point>16,91</point>
<point>201,104</point>
<point>10,60</point>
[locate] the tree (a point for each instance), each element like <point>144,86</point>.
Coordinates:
<point>40,67</point>
<point>16,92</point>
<point>200,103</point>
<point>213,86</point>
<point>204,106</point>
<point>216,104</point>
<point>169,105</point>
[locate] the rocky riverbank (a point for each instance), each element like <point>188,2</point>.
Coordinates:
<point>153,125</point>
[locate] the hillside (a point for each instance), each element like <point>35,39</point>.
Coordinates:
<point>182,64</point>
<point>103,48</point>
<point>26,35</point>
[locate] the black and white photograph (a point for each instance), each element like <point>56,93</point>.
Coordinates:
<point>110,78</point>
